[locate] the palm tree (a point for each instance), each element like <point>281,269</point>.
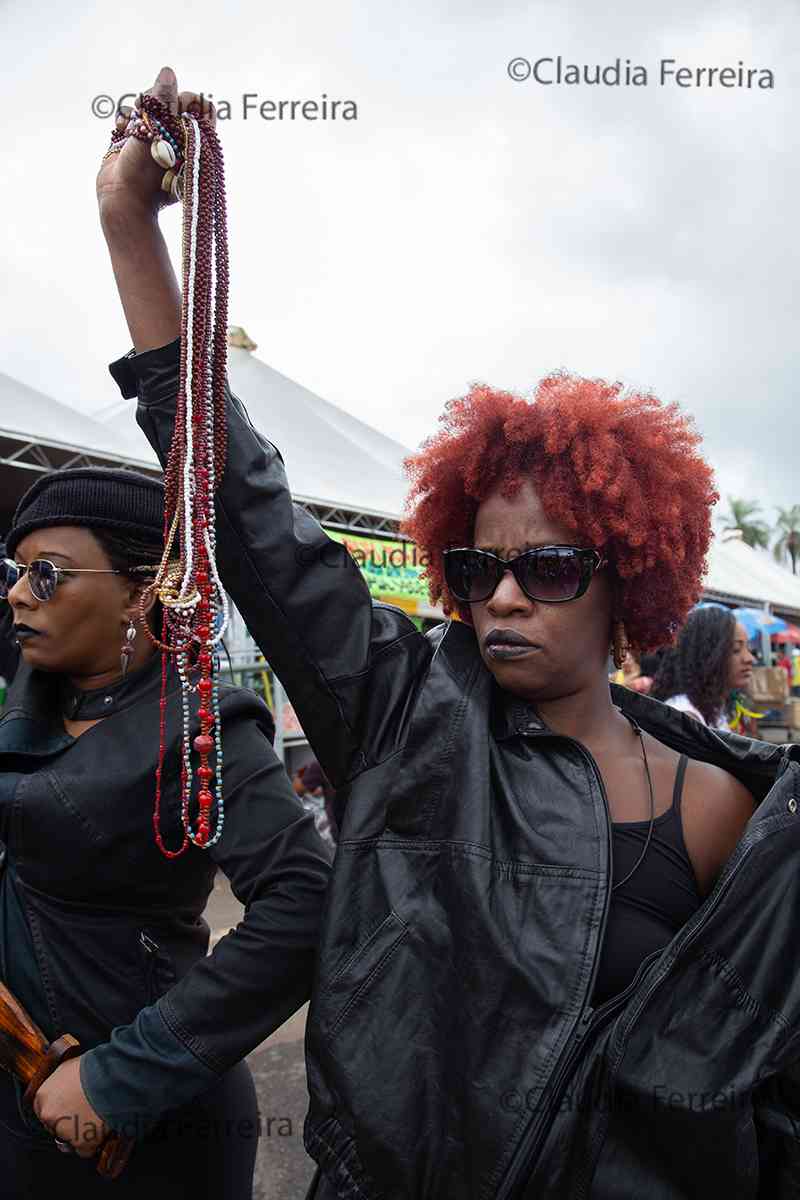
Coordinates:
<point>740,516</point>
<point>788,543</point>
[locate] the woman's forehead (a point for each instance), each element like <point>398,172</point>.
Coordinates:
<point>64,541</point>
<point>519,522</point>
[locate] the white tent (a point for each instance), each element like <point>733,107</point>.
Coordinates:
<point>333,460</point>
<point>40,434</point>
<point>347,473</point>
<point>30,417</point>
<point>737,573</point>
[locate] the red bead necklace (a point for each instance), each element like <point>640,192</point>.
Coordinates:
<point>194,603</point>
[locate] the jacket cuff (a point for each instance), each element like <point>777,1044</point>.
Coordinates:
<point>143,1071</point>
<point>151,375</point>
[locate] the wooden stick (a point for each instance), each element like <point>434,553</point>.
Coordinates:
<point>26,1053</point>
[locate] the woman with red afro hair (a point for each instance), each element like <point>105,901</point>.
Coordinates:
<point>619,469</point>
<point>556,933</point>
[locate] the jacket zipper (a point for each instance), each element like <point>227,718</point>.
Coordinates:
<point>525,1154</point>
<point>524,1159</point>
<point>591,1020</point>
<point>151,950</point>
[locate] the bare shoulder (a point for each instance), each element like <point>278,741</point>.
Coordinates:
<point>716,789</point>
<point>716,808</point>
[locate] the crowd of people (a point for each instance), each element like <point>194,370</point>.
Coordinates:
<point>559,922</point>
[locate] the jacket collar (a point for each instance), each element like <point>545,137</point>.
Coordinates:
<point>32,721</point>
<point>79,705</point>
<point>754,763</point>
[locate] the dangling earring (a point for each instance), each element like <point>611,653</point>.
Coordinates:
<point>126,653</point>
<point>619,646</point>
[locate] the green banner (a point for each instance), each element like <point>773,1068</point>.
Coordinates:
<point>392,569</point>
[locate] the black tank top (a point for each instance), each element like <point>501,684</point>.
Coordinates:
<point>646,912</point>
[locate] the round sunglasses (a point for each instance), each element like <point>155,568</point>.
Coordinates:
<point>43,576</point>
<point>549,574</point>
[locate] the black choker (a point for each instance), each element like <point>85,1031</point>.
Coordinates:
<point>80,705</point>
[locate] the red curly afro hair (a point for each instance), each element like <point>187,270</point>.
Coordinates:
<point>620,469</point>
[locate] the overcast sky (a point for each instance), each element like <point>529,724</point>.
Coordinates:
<point>464,227</point>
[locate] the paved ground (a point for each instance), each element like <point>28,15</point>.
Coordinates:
<point>283,1169</point>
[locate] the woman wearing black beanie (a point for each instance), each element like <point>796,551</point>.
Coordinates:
<point>101,934</point>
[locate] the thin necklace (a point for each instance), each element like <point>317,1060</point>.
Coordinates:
<point>638,862</point>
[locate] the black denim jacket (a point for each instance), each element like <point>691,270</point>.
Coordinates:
<point>117,928</point>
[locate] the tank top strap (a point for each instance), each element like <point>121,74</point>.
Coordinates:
<point>678,789</point>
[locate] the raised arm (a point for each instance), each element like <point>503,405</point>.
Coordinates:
<point>129,198</point>
<point>349,666</point>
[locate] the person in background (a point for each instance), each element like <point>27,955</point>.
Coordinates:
<point>795,679</point>
<point>629,671</point>
<point>316,797</point>
<point>298,787</point>
<point>783,660</point>
<point>330,809</point>
<point>643,682</point>
<point>635,674</point>
<point>710,660</point>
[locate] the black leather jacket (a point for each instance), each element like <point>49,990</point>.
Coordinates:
<point>451,1048</point>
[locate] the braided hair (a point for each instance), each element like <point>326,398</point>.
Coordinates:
<point>136,556</point>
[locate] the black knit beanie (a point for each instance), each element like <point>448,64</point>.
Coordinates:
<point>94,497</point>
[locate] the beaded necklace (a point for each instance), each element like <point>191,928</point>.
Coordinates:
<point>193,600</point>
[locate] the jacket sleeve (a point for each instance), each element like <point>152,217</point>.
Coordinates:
<point>9,651</point>
<point>776,1106</point>
<point>349,665</point>
<point>255,977</point>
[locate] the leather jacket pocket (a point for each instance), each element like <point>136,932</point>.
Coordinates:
<point>360,972</point>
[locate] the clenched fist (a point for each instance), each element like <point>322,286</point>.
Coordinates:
<point>61,1104</point>
<point>129,182</point>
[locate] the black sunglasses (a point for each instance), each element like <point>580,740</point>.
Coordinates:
<point>43,576</point>
<point>549,574</point>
